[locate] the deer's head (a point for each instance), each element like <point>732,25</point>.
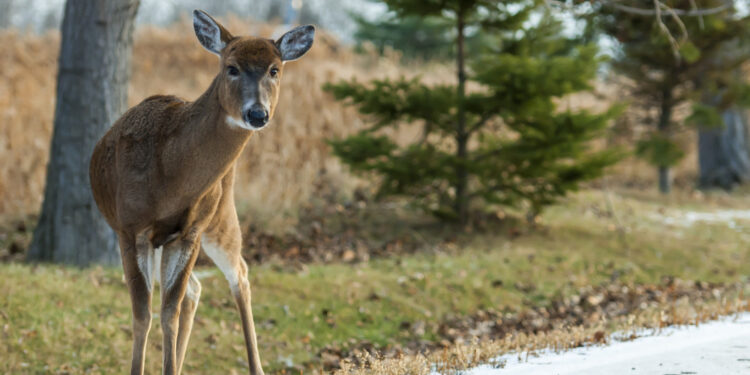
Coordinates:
<point>251,68</point>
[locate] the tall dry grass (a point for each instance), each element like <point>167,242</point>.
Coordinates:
<point>28,67</point>
<point>282,167</point>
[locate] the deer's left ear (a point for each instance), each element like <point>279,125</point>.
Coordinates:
<point>295,43</point>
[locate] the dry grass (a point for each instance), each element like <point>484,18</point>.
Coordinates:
<point>27,101</point>
<point>285,165</point>
<point>292,152</point>
<point>494,283</point>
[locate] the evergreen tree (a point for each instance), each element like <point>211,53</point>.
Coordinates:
<point>416,37</point>
<point>698,70</point>
<point>505,142</point>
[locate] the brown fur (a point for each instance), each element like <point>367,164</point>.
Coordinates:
<point>160,165</point>
<point>163,176</point>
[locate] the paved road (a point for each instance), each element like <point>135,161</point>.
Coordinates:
<point>714,348</point>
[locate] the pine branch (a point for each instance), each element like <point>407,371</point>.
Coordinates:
<point>487,154</point>
<point>480,123</point>
<point>425,133</point>
<point>492,189</point>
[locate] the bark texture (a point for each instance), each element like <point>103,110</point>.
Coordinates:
<point>462,137</point>
<point>723,156</point>
<point>92,82</point>
<point>665,119</point>
<point>6,11</point>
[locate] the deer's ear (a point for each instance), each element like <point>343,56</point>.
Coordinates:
<point>296,42</point>
<point>210,33</point>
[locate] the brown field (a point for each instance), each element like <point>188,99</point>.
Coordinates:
<point>282,168</point>
<point>293,153</point>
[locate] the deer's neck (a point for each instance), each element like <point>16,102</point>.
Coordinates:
<point>213,146</point>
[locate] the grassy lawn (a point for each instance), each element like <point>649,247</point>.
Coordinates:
<point>64,320</point>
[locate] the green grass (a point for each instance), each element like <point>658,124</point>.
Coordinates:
<point>55,319</point>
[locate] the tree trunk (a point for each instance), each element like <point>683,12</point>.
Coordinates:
<point>665,118</point>
<point>92,82</point>
<point>462,138</point>
<point>723,156</point>
<point>665,180</point>
<point>6,12</point>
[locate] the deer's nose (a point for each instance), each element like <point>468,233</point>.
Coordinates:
<point>257,116</point>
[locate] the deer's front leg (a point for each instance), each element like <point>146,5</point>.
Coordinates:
<point>225,252</point>
<point>241,293</point>
<point>222,242</point>
<point>177,260</point>
<point>187,314</point>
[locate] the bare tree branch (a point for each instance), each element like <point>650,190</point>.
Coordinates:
<point>694,12</point>
<point>658,7</point>
<point>659,11</point>
<point>694,7</point>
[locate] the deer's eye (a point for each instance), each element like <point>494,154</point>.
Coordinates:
<point>273,72</point>
<point>233,71</point>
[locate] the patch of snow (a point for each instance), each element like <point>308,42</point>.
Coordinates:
<point>718,347</point>
<point>689,218</point>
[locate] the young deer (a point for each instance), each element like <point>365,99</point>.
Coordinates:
<point>163,177</point>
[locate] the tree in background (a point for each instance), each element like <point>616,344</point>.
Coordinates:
<point>506,142</point>
<point>666,72</point>
<point>417,37</point>
<point>723,150</point>
<point>92,82</point>
<point>6,12</point>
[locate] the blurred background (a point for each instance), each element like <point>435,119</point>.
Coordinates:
<point>336,16</point>
<point>503,174</point>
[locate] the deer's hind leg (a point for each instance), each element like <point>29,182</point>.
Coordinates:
<point>222,242</point>
<point>137,264</point>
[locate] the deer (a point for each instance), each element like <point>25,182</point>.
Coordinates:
<point>163,178</point>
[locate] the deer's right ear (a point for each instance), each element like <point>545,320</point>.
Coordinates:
<point>210,33</point>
